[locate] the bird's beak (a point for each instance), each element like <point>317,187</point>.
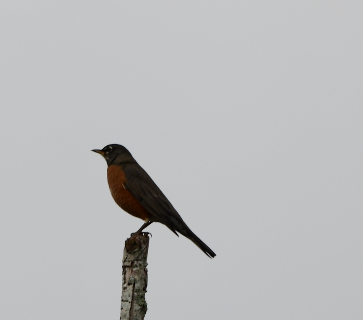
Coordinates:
<point>99,151</point>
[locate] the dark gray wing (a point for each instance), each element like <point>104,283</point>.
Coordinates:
<point>144,189</point>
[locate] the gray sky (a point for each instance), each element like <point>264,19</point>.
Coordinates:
<point>248,115</point>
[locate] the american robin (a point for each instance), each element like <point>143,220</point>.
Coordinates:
<point>136,193</point>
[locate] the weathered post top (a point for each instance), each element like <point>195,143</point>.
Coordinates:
<point>134,278</point>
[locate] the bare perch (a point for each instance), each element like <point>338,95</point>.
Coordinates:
<point>134,278</point>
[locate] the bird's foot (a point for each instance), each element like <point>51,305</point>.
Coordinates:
<point>135,241</point>
<point>147,234</point>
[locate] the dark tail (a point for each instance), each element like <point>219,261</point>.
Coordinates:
<point>176,224</point>
<point>199,243</point>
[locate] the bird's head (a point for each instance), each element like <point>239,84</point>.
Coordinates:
<point>115,154</point>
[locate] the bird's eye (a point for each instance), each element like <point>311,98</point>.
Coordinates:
<point>107,149</point>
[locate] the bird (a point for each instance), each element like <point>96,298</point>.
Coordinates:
<point>137,194</point>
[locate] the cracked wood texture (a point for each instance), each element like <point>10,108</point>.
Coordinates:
<point>134,278</point>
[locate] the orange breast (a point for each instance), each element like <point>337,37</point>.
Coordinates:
<point>116,181</point>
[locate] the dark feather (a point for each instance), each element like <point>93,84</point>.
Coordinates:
<point>144,189</point>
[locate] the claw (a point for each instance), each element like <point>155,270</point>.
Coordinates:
<point>147,233</point>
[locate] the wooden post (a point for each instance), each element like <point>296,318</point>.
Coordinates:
<point>134,278</point>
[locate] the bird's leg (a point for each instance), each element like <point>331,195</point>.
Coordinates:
<point>133,242</point>
<point>146,224</point>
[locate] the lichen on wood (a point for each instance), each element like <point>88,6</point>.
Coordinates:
<point>134,278</point>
